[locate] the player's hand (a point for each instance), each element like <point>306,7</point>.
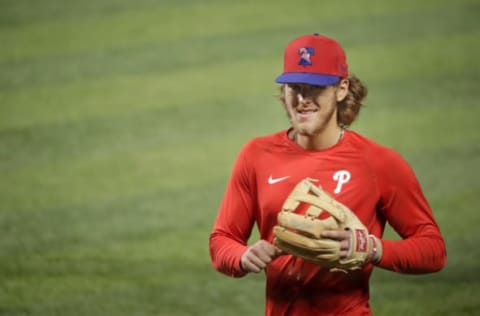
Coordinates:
<point>258,255</point>
<point>342,236</point>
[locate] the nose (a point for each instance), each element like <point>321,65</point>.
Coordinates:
<point>303,100</point>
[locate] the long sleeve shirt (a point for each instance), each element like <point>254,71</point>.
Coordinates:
<point>375,182</point>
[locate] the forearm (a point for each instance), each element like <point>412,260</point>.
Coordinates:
<point>225,255</point>
<point>415,255</point>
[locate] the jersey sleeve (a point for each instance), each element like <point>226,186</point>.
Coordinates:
<point>403,204</point>
<point>235,218</point>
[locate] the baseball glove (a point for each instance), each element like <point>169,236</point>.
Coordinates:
<point>300,234</point>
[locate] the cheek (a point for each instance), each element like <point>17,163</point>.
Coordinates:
<point>289,105</point>
<point>290,100</point>
<point>327,102</point>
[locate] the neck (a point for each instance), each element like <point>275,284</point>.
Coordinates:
<point>318,141</point>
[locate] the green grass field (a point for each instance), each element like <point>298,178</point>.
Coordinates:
<point>120,121</point>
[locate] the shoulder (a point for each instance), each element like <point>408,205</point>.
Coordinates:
<point>373,151</point>
<point>387,163</point>
<point>265,143</point>
<point>253,151</point>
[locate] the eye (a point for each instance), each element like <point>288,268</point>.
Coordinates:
<point>315,90</point>
<point>295,87</point>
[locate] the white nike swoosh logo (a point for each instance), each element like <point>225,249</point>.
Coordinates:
<point>276,180</point>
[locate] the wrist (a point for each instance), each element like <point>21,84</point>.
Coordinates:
<point>241,262</point>
<point>376,253</point>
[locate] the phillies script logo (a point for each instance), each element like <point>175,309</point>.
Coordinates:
<point>361,240</point>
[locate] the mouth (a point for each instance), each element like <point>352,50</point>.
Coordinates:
<point>303,114</point>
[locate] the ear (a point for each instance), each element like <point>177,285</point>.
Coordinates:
<point>342,89</point>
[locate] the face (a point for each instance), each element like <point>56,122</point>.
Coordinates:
<point>313,109</point>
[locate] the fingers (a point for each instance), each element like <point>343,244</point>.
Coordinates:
<point>344,237</point>
<point>257,256</point>
<point>278,252</point>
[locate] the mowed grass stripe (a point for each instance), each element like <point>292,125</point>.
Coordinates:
<point>136,27</point>
<point>99,160</point>
<point>118,253</point>
<point>149,129</point>
<point>59,36</point>
<point>16,13</point>
<point>164,89</point>
<point>124,94</point>
<point>144,58</point>
<point>122,224</point>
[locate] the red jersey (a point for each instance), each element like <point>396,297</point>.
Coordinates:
<point>372,180</point>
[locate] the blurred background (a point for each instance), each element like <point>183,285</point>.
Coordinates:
<point>120,121</point>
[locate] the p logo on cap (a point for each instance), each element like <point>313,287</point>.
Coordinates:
<point>305,53</point>
<point>313,59</point>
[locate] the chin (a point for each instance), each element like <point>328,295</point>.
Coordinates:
<point>304,132</point>
<point>304,129</point>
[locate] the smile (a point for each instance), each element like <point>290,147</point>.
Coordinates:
<point>302,111</point>
<point>304,114</point>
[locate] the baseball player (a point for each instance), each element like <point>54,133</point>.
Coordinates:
<point>327,271</point>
